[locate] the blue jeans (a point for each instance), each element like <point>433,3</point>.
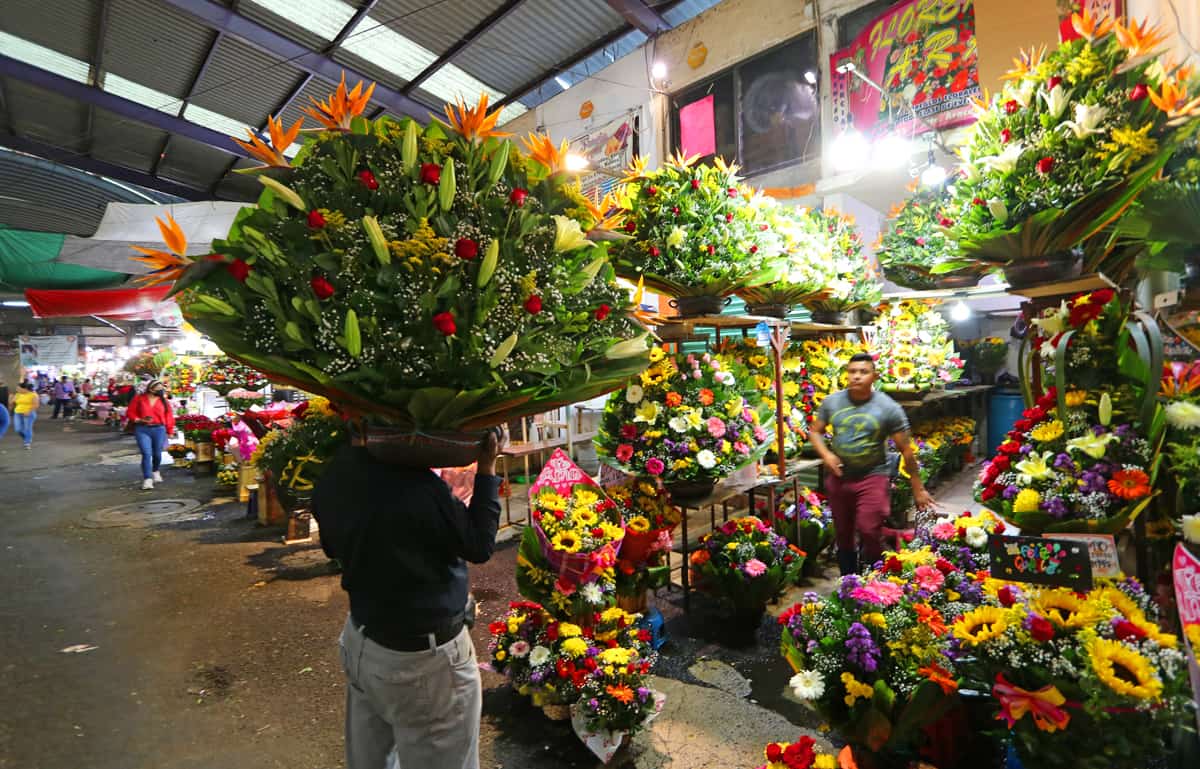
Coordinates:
<point>23,425</point>
<point>3,420</point>
<point>150,439</point>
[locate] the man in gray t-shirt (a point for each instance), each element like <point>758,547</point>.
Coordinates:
<point>857,481</point>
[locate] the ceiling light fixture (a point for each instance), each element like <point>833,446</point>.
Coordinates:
<point>810,77</point>
<point>563,83</point>
<point>15,303</point>
<point>960,312</point>
<point>576,162</point>
<point>658,70</point>
<point>850,150</point>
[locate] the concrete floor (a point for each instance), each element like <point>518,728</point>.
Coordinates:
<point>205,642</point>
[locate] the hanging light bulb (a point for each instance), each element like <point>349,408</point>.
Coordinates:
<point>934,174</point>
<point>850,150</point>
<point>960,312</point>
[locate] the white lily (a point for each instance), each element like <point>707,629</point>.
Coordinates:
<point>1056,101</point>
<point>1006,161</point>
<point>998,210</point>
<point>1087,120</point>
<point>1024,94</point>
<point>567,234</point>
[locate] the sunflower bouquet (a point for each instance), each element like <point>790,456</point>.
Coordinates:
<point>1071,140</point>
<point>912,347</point>
<point>694,230</point>
<point>435,278</point>
<point>825,362</point>
<point>872,656</point>
<point>650,518</point>
<point>224,374</point>
<point>916,241</point>
<point>686,418</point>
<point>852,281</point>
<point>745,563</point>
<point>1083,680</point>
<point>180,377</point>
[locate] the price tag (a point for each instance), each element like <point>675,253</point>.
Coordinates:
<point>1102,552</point>
<point>763,332</point>
<point>1058,562</point>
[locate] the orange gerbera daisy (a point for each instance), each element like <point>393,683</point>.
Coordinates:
<point>620,693</point>
<point>1140,41</point>
<point>940,676</point>
<point>167,265</point>
<point>706,397</point>
<point>474,123</point>
<point>336,112</point>
<point>272,154</point>
<point>674,399</point>
<point>1129,484</point>
<point>927,615</point>
<point>542,149</point>
<point>1089,27</point>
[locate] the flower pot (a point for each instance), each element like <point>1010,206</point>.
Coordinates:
<point>204,451</point>
<point>829,316</point>
<point>958,280</point>
<point>689,491</point>
<point>557,712</point>
<point>634,604</point>
<point>1025,273</point>
<point>696,306</point>
<point>423,448</point>
<point>769,310</point>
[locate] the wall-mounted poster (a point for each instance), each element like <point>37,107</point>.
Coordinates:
<point>49,351</point>
<point>608,148</point>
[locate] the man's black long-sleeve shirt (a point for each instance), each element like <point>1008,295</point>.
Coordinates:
<point>402,538</point>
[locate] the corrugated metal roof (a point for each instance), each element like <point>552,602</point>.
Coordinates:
<point>292,29</point>
<point>193,163</point>
<point>45,116</point>
<point>317,89</point>
<point>66,26</point>
<point>240,186</point>
<point>537,36</point>
<point>124,142</point>
<point>368,68</point>
<point>155,45</point>
<point>435,28</point>
<point>243,83</point>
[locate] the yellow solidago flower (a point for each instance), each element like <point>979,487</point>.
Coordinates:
<point>1135,143</point>
<point>855,689</point>
<point>1124,670</point>
<point>980,625</point>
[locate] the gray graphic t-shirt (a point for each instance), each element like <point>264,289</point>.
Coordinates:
<point>861,430</point>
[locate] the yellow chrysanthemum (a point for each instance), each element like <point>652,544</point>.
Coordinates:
<point>567,541</point>
<point>874,618</point>
<point>920,557</point>
<point>980,625</point>
<point>1050,431</point>
<point>1066,610</point>
<point>616,656</point>
<point>1124,670</point>
<point>1075,398</point>
<point>1027,501</point>
<point>576,647</point>
<point>569,630</point>
<point>855,689</point>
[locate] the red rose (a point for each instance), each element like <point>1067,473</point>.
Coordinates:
<point>597,532</point>
<point>628,432</point>
<point>316,220</point>
<point>560,514</point>
<point>1126,630</point>
<point>552,632</point>
<point>368,180</point>
<point>239,269</point>
<point>652,191</point>
<point>945,222</point>
<point>1041,629</point>
<point>944,566</point>
<point>1000,527</point>
<point>1002,462</point>
<point>1139,92</point>
<point>712,250</point>
<point>654,251</point>
<point>496,628</point>
<point>754,249</point>
<point>774,752</point>
<point>1045,165</point>
<point>1054,81</point>
<point>1011,106</point>
<point>1007,596</point>
<point>321,287</point>
<point>431,173</point>
<point>675,210</point>
<point>695,184</point>
<point>893,565</point>
<point>1006,136</point>
<point>465,248</point>
<point>1011,448</point>
<point>729,217</point>
<point>517,197</point>
<point>987,494</point>
<point>630,226</point>
<point>644,635</point>
<point>602,312</point>
<point>533,305</point>
<point>444,322</point>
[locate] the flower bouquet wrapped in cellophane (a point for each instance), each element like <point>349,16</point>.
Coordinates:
<point>1078,680</point>
<point>436,278</point>
<point>650,518</point>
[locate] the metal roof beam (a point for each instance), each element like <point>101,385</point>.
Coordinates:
<point>183,103</point>
<point>50,154</point>
<point>494,18</point>
<point>96,75</point>
<point>36,76</point>
<point>222,19</point>
<point>640,15</point>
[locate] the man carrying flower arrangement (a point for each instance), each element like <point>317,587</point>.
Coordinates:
<point>857,462</point>
<point>412,681</point>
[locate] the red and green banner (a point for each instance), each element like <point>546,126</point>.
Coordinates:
<point>922,54</point>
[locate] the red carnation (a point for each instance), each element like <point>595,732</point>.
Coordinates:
<point>465,248</point>
<point>654,251</point>
<point>444,322</point>
<point>1010,447</point>
<point>1126,630</point>
<point>496,628</point>
<point>517,198</point>
<point>1045,165</point>
<point>431,173</point>
<point>1139,92</point>
<point>316,220</point>
<point>1002,463</point>
<point>321,287</point>
<point>987,494</point>
<point>1041,629</point>
<point>1007,596</point>
<point>630,226</point>
<point>367,179</point>
<point>533,305</point>
<point>602,312</point>
<point>1011,106</point>
<point>774,752</point>
<point>800,753</point>
<point>944,566</point>
<point>1006,136</point>
<point>893,565</point>
<point>239,269</point>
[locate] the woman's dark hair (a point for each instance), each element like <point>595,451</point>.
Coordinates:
<point>861,357</point>
<point>27,385</point>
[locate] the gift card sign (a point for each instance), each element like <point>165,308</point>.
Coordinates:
<point>1057,562</point>
<point>561,474</point>
<point>1185,571</point>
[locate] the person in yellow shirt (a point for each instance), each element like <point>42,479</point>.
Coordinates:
<point>25,406</point>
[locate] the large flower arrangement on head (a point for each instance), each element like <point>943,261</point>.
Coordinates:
<point>1074,136</point>
<point>808,260</point>
<point>686,418</point>
<point>915,248</point>
<point>746,564</point>
<point>694,230</point>
<point>180,377</point>
<point>1078,680</point>
<point>436,277</point>
<point>913,348</point>
<point>225,375</point>
<point>872,657</point>
<point>852,282</point>
<point>1085,456</point>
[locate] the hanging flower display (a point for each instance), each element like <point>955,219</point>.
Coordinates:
<point>912,347</point>
<point>422,292</point>
<point>916,248</point>
<point>224,374</point>
<point>808,249</point>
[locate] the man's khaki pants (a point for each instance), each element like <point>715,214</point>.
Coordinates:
<point>425,706</point>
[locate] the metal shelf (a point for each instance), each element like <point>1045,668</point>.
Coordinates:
<point>1064,287</point>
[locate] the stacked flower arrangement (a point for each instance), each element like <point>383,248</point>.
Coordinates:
<point>1058,155</point>
<point>180,377</point>
<point>797,406</point>
<point>808,251</point>
<point>852,282</point>
<point>808,524</point>
<point>696,233</point>
<point>962,539</point>
<point>916,244</point>
<point>985,356</point>
<point>1084,457</point>
<point>296,455</point>
<point>825,362</point>
<point>688,421</point>
<point>433,278</point>
<point>745,564</point>
<point>224,374</point>
<point>913,349</point>
<point>1083,680</point>
<point>197,427</point>
<point>650,519</point>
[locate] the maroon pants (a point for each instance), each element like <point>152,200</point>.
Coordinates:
<point>860,505</point>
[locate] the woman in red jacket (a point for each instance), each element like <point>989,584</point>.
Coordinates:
<point>153,420</point>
